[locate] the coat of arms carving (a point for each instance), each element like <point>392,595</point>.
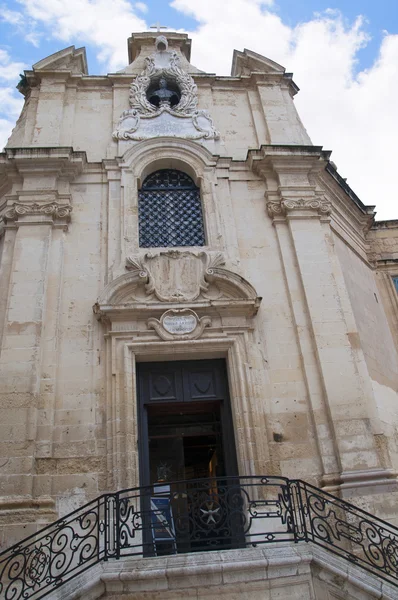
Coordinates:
<point>175,276</point>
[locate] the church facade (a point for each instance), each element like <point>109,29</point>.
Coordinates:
<point>189,290</point>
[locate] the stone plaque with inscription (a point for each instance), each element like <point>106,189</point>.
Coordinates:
<point>178,324</point>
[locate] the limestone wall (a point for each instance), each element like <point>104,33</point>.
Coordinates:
<point>84,114</point>
<point>377,341</point>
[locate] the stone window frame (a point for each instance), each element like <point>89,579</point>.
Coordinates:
<point>165,153</point>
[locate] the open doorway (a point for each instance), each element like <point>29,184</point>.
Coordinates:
<point>185,441</point>
<point>187,452</point>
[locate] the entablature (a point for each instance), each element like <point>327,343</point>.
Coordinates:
<point>39,185</point>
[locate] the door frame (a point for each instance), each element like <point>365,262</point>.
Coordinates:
<point>235,345</point>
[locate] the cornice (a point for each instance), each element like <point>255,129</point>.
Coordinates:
<point>60,160</point>
<point>123,80</point>
<point>388,224</point>
<point>349,215</point>
<point>264,155</point>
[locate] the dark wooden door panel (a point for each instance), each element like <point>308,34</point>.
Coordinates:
<point>161,382</point>
<point>183,381</point>
<point>202,383</point>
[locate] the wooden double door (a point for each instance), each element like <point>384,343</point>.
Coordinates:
<point>185,421</point>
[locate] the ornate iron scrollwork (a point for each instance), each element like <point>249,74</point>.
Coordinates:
<point>196,515</point>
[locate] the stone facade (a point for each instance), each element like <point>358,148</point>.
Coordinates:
<point>293,287</point>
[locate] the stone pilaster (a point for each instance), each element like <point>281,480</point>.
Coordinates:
<point>35,217</point>
<point>338,386</point>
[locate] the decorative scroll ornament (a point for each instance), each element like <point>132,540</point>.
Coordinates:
<point>236,511</point>
<point>286,206</point>
<point>179,324</point>
<point>275,209</point>
<point>145,120</point>
<point>51,209</point>
<point>322,206</point>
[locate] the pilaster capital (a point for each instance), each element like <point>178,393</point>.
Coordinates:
<point>38,180</point>
<point>53,213</point>
<point>321,206</point>
<point>299,208</point>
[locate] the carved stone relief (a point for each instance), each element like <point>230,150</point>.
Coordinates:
<point>177,276</point>
<point>287,206</point>
<point>59,214</point>
<point>51,209</point>
<point>144,120</point>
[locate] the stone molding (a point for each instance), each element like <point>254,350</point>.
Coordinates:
<point>301,207</point>
<point>39,185</point>
<point>308,571</point>
<point>149,155</point>
<point>62,161</point>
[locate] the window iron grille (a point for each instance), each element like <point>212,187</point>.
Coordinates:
<point>170,211</point>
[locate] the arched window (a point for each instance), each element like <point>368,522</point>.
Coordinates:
<point>170,211</point>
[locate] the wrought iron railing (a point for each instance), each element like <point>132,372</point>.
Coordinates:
<point>192,516</point>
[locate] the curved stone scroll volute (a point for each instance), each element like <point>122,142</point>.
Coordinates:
<point>177,279</point>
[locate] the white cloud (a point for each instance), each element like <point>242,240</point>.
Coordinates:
<point>22,24</point>
<point>12,17</point>
<point>9,70</point>
<point>104,24</point>
<point>141,7</point>
<point>11,101</point>
<point>354,115</point>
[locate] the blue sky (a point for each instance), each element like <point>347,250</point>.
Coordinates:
<point>344,55</point>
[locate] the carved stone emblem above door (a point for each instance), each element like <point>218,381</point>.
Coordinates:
<point>176,276</point>
<point>181,280</point>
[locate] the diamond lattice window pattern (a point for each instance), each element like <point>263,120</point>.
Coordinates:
<point>170,211</point>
